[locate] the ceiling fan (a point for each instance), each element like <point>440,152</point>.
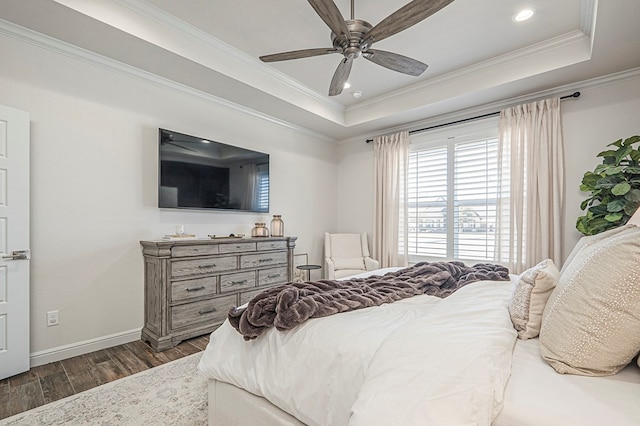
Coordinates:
<point>169,139</point>
<point>353,38</point>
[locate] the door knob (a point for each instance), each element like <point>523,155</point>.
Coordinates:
<point>17,255</point>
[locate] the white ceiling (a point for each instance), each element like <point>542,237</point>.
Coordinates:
<point>476,53</point>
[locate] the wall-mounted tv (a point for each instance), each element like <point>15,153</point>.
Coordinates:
<point>198,173</point>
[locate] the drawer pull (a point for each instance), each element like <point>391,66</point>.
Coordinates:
<point>206,311</point>
<point>266,260</point>
<point>196,288</point>
<point>238,282</point>
<point>213,265</point>
<point>273,275</point>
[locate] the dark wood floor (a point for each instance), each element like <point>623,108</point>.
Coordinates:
<point>47,383</point>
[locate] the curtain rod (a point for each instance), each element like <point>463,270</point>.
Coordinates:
<point>464,120</point>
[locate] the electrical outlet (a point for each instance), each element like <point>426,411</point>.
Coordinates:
<point>52,318</point>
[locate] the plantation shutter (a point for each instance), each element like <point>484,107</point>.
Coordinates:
<point>452,199</point>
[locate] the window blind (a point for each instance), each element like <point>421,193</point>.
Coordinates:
<point>453,188</point>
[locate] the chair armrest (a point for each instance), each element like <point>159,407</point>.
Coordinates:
<point>329,269</point>
<point>371,264</point>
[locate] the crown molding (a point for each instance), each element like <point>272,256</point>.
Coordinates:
<point>588,14</point>
<point>557,52</point>
<point>146,22</point>
<point>71,51</point>
<point>592,83</point>
<point>159,15</point>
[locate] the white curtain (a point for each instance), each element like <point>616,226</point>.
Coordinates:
<point>249,185</point>
<point>531,202</point>
<point>391,154</point>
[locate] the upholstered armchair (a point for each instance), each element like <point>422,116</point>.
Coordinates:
<point>347,254</point>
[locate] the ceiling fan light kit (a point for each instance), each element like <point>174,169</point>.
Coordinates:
<point>353,38</point>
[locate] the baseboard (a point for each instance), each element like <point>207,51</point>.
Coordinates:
<point>68,351</point>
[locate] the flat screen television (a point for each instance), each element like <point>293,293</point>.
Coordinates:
<point>198,173</point>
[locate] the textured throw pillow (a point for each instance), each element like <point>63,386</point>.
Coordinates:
<point>591,324</point>
<point>529,297</point>
<point>589,240</point>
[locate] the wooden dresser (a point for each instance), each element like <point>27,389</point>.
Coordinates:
<point>190,285</point>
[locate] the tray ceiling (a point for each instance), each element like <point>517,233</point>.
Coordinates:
<point>475,51</point>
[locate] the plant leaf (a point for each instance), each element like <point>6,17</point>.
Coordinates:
<point>613,170</point>
<point>599,210</point>
<point>616,205</point>
<point>621,188</point>
<point>581,225</point>
<point>633,195</point>
<point>613,217</point>
<point>630,208</point>
<point>622,152</point>
<point>617,143</point>
<point>590,179</point>
<point>607,182</point>
<point>631,140</point>
<point>584,204</point>
<point>607,153</point>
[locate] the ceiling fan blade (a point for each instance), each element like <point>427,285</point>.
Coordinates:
<point>403,18</point>
<point>330,14</point>
<point>297,54</point>
<point>180,146</point>
<point>395,62</point>
<point>340,77</point>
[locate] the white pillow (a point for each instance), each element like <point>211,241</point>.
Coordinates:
<point>591,325</point>
<point>589,240</point>
<point>529,297</point>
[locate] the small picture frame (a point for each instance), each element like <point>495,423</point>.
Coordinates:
<point>300,275</point>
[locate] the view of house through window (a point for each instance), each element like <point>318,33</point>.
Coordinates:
<point>452,193</point>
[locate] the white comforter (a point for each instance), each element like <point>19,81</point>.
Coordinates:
<point>418,361</point>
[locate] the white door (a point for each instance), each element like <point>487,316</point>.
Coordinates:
<point>14,241</point>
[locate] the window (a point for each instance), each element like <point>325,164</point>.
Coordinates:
<point>452,194</point>
<point>263,187</point>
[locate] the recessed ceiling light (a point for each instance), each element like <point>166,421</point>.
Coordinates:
<point>357,94</point>
<point>347,85</point>
<point>205,141</point>
<point>523,15</point>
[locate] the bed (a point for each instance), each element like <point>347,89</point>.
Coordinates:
<point>457,360</point>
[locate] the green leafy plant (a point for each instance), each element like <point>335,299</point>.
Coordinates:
<point>614,186</point>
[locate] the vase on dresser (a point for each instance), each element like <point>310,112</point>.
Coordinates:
<point>277,226</point>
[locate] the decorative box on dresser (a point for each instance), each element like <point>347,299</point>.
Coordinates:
<point>190,285</point>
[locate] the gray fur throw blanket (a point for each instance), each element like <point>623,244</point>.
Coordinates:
<point>288,305</point>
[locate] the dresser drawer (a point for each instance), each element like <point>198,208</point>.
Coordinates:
<point>262,259</point>
<point>210,311</point>
<point>272,245</point>
<point>185,268</point>
<point>272,276</point>
<point>183,290</point>
<point>195,250</point>
<point>237,247</point>
<point>246,296</point>
<point>239,281</point>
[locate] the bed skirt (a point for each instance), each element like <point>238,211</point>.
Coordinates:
<point>232,406</point>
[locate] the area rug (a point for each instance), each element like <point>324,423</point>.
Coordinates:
<point>171,394</point>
